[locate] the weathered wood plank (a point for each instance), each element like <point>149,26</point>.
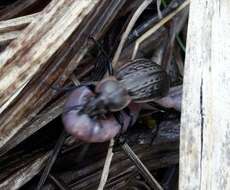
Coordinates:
<point>205,123</point>
<point>56,62</point>
<point>35,46</point>
<point>38,43</point>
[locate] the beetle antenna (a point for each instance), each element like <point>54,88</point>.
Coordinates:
<point>72,87</point>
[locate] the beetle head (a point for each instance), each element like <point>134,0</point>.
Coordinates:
<point>110,96</point>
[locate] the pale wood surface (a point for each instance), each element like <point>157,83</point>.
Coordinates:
<point>38,43</point>
<point>205,123</point>
<point>29,53</point>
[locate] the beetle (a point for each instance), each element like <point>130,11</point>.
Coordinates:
<point>97,113</point>
<point>89,109</point>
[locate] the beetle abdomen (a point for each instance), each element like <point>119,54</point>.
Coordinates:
<point>144,80</point>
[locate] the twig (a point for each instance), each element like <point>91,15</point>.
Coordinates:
<point>141,167</point>
<point>108,160</point>
<point>132,22</point>
<point>143,27</point>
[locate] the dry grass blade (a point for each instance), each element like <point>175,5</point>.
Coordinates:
<point>105,171</point>
<point>131,24</point>
<point>175,27</point>
<point>157,26</point>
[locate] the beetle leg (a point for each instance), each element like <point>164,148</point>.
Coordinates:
<point>121,137</point>
<point>120,119</point>
<point>109,62</point>
<point>130,114</point>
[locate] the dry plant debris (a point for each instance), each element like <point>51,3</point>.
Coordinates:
<point>46,49</point>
